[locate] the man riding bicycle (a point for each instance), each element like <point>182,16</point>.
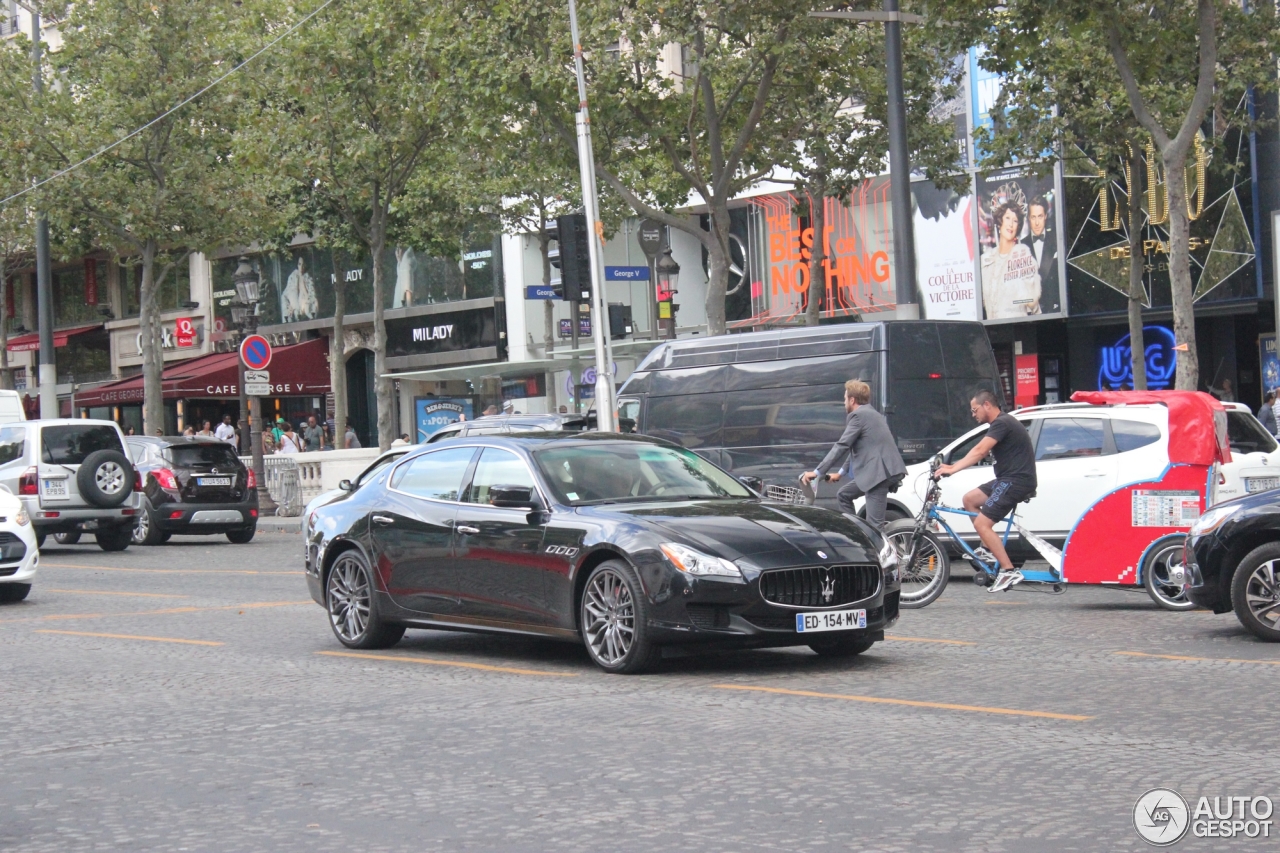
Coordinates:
<point>1008,441</point>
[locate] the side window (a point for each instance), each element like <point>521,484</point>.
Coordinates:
<point>1070,438</point>
<point>13,444</point>
<point>1130,435</point>
<point>962,449</point>
<point>1247,435</point>
<point>437,476</point>
<point>691,420</point>
<point>497,468</point>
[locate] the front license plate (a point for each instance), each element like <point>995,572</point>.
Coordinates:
<point>1261,484</point>
<point>55,488</point>
<point>213,481</point>
<point>831,620</point>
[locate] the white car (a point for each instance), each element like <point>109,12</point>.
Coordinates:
<point>19,554</point>
<point>1084,452</point>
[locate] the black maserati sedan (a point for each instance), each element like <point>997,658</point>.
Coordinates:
<point>626,543</point>
<point>1232,558</point>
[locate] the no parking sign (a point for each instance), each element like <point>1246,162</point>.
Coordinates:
<point>255,352</point>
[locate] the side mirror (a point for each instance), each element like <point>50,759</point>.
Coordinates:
<point>346,486</point>
<point>514,497</point>
<point>755,484</point>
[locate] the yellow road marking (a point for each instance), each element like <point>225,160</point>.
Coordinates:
<point>165,571</point>
<point>944,706</point>
<point>54,617</point>
<point>433,662</point>
<point>105,592</point>
<point>1188,657</point>
<point>1005,602</point>
<point>131,637</point>
<point>929,640</point>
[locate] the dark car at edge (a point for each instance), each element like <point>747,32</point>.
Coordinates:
<point>628,544</point>
<point>1233,561</point>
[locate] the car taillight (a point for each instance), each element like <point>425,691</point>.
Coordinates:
<point>137,481</point>
<point>165,478</point>
<point>251,482</point>
<point>29,482</point>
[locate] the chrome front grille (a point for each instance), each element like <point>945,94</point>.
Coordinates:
<point>819,586</point>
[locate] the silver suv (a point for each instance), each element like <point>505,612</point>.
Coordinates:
<point>72,475</point>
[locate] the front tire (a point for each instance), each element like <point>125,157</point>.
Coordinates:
<point>145,531</point>
<point>353,607</point>
<point>926,576</point>
<point>1255,592</point>
<point>12,593</point>
<point>842,647</point>
<point>614,620</point>
<point>1163,558</point>
<point>116,539</point>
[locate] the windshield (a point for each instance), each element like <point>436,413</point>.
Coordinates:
<point>608,473</point>
<point>1247,435</point>
<point>203,455</point>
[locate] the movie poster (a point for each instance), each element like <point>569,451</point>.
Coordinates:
<point>1018,244</point>
<point>943,223</point>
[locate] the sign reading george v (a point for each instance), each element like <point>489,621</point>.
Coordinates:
<point>450,331</point>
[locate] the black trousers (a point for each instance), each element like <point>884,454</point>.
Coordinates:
<point>877,501</point>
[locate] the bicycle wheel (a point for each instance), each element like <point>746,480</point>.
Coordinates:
<point>923,566</point>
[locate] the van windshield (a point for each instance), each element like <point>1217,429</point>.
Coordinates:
<point>69,444</point>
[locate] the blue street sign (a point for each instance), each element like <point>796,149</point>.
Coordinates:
<point>538,291</point>
<point>626,273</point>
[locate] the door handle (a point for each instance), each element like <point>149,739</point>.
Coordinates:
<point>1095,473</point>
<point>383,519</point>
<point>462,528</point>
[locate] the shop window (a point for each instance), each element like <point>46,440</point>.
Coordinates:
<point>69,305</point>
<point>16,293</point>
<point>85,358</point>
<point>172,290</point>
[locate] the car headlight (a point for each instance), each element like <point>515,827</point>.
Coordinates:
<point>1213,519</point>
<point>693,562</point>
<point>22,517</point>
<point>888,556</point>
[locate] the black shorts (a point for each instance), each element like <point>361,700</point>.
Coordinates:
<point>1002,496</point>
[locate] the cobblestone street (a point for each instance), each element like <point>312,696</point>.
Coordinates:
<point>192,697</point>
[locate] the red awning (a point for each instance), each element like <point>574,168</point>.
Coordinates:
<point>296,371</point>
<point>26,343</point>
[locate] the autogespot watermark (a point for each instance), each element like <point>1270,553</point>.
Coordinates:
<point>1163,817</point>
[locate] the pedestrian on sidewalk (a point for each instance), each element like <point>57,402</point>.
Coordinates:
<point>875,465</point>
<point>313,435</point>
<point>1267,414</point>
<point>289,441</point>
<point>206,431</point>
<point>351,441</point>
<point>225,430</point>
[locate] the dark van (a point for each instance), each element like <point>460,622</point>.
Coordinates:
<point>770,404</point>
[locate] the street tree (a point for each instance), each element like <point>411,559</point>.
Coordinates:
<point>362,98</point>
<point>170,186</point>
<point>1176,62</point>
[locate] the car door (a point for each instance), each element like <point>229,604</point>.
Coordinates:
<point>497,549</point>
<point>1075,467</point>
<point>958,484</point>
<point>412,530</point>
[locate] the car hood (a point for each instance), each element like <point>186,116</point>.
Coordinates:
<point>765,535</point>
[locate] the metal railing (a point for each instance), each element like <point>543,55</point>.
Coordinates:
<point>282,482</point>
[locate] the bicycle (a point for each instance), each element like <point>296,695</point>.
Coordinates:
<point>927,568</point>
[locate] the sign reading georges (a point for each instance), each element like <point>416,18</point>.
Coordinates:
<point>449,331</point>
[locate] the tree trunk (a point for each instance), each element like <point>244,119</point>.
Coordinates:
<point>1184,321</point>
<point>337,353</point>
<point>817,252</point>
<point>1137,294</point>
<point>548,307</point>
<point>382,385</point>
<point>152,349</point>
<point>6,375</point>
<point>718,274</point>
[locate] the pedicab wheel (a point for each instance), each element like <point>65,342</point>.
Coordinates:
<point>1164,560</point>
<point>1255,592</point>
<point>924,577</point>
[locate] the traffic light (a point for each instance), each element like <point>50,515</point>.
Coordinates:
<point>575,257</point>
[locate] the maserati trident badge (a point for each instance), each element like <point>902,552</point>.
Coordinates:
<point>822,554</point>
<point>828,588</point>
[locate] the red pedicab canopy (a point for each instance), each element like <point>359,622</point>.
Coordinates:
<point>1197,421</point>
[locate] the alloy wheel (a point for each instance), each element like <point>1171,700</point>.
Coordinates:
<point>109,478</point>
<point>1262,594</point>
<point>1161,586</point>
<point>610,617</point>
<point>348,599</point>
<point>141,527</point>
<point>924,574</point>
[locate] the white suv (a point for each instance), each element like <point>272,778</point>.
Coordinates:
<point>1084,452</point>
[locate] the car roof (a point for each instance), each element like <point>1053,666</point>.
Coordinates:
<point>65,421</point>
<point>530,440</point>
<point>170,440</point>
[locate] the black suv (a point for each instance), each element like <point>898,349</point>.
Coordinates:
<point>506,424</point>
<point>193,485</point>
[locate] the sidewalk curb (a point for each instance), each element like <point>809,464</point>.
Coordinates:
<point>280,524</point>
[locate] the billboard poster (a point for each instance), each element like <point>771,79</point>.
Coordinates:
<point>1270,362</point>
<point>1018,240</point>
<point>432,413</point>
<point>944,252</point>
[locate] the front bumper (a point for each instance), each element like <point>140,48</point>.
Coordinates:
<point>1206,560</point>
<point>23,568</point>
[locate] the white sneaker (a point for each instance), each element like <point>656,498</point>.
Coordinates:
<point>1005,579</point>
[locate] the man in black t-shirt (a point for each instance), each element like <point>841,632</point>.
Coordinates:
<point>1007,440</point>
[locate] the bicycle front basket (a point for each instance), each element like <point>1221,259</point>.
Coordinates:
<point>785,494</point>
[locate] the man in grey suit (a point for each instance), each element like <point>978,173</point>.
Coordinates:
<point>875,465</point>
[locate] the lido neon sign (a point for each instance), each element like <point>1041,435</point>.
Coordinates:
<point>1116,370</point>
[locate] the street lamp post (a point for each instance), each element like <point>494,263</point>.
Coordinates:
<point>48,369</point>
<point>244,316</point>
<point>668,275</point>
<point>904,248</point>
